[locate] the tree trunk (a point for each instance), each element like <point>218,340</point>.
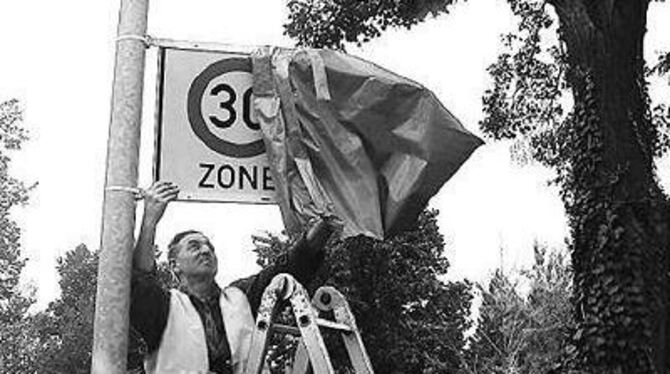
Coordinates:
<point>618,213</point>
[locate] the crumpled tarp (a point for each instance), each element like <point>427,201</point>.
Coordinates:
<point>350,139</point>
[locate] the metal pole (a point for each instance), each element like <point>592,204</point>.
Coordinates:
<point>110,338</point>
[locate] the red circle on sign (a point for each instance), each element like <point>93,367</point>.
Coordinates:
<point>197,121</point>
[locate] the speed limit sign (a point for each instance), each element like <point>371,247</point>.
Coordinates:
<point>208,140</point>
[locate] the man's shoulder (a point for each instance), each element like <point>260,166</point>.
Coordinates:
<point>243,283</point>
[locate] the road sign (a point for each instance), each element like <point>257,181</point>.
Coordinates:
<point>207,138</point>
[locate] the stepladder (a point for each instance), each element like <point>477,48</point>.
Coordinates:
<point>328,310</point>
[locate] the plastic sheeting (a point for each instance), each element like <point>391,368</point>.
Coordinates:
<point>349,139</point>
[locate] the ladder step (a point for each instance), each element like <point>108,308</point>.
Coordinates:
<point>311,349</point>
<point>333,325</point>
<point>285,329</point>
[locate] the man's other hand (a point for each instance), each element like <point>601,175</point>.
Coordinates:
<point>156,199</point>
<point>319,232</point>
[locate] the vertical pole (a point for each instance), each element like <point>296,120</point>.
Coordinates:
<point>110,338</point>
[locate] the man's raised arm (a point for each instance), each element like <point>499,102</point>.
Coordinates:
<point>301,260</point>
<point>149,302</point>
<point>156,199</point>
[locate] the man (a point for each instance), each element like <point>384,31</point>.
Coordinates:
<point>200,327</point>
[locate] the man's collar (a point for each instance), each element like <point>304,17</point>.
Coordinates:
<point>212,294</point>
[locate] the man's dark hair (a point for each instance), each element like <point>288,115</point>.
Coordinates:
<point>173,247</point>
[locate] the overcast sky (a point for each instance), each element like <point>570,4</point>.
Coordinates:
<point>57,58</point>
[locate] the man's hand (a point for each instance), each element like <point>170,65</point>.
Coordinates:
<point>156,199</point>
<point>320,231</point>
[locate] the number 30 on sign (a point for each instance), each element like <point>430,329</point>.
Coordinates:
<point>208,141</point>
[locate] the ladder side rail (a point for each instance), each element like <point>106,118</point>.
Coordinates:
<point>328,298</point>
<point>263,330</point>
<point>353,341</point>
<point>300,360</point>
<point>306,318</point>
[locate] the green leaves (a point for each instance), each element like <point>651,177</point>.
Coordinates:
<point>15,333</point>
<point>12,134</point>
<point>331,23</point>
<point>70,318</point>
<point>600,137</point>
<point>411,321</point>
<point>602,149</point>
<point>527,101</point>
<point>523,333</point>
<point>12,193</point>
<point>662,66</point>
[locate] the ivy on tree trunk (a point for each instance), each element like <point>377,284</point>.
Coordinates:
<point>618,213</point>
<point>603,151</point>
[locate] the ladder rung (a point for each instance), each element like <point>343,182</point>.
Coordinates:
<point>333,325</point>
<point>285,329</point>
<point>311,345</point>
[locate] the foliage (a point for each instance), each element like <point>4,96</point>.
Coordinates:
<point>613,212</point>
<point>660,111</point>
<point>519,333</point>
<point>20,346</point>
<point>318,23</point>
<point>580,104</point>
<point>411,321</point>
<point>69,319</point>
<point>662,66</point>
<point>14,302</point>
<point>65,329</point>
<point>527,100</point>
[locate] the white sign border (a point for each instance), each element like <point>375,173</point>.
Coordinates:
<point>163,45</point>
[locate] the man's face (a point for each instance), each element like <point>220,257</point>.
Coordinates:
<point>195,256</point>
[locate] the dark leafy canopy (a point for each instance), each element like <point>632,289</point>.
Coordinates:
<point>14,303</point>
<point>660,112</point>
<point>12,193</point>
<point>603,149</point>
<point>68,326</point>
<point>411,321</point>
<point>519,333</point>
<point>530,100</point>
<point>527,102</point>
<point>318,23</point>
<point>65,329</point>
<point>662,66</point>
<point>602,144</point>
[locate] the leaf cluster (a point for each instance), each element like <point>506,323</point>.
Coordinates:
<point>68,321</point>
<point>14,301</point>
<point>614,250</point>
<point>13,192</point>
<point>411,321</point>
<point>59,339</point>
<point>619,224</point>
<point>527,102</point>
<point>523,333</point>
<point>331,23</point>
<point>566,130</point>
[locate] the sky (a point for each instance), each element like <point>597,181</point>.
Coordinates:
<point>58,60</point>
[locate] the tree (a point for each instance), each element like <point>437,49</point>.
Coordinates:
<point>411,321</point>
<point>603,149</point>
<point>318,23</point>
<point>497,343</point>
<point>519,333</point>
<point>69,319</point>
<point>551,312</point>
<point>65,329</point>
<point>14,303</point>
